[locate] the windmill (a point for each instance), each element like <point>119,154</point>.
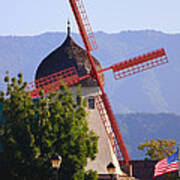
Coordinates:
<point>120,70</point>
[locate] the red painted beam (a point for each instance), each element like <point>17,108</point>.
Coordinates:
<point>139,60</point>
<point>115,128</point>
<point>83,24</point>
<point>139,64</point>
<point>79,13</point>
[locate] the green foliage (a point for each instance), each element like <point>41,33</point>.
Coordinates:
<point>36,129</point>
<point>158,149</point>
<point>91,175</point>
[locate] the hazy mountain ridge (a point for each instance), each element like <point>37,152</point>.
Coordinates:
<point>136,127</point>
<point>153,91</point>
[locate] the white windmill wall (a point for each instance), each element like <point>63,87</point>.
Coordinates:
<point>106,153</point>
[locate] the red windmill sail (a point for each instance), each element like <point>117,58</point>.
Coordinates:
<point>80,13</point>
<point>83,24</point>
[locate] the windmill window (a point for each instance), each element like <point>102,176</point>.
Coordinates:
<point>91,103</point>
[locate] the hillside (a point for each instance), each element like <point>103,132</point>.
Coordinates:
<point>135,128</point>
<point>153,91</point>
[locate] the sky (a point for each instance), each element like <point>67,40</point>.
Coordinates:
<point>33,17</point>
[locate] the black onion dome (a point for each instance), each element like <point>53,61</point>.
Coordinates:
<point>67,55</point>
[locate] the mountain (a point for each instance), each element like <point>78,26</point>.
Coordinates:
<point>153,91</point>
<point>136,127</point>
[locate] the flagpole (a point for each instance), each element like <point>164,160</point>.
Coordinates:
<point>178,162</point>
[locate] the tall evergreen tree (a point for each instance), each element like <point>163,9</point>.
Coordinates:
<point>34,129</point>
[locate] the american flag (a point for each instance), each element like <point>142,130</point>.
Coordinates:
<point>167,165</point>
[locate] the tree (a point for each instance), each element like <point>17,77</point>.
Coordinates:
<point>158,149</point>
<point>34,129</point>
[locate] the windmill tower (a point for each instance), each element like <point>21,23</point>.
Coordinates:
<point>82,68</point>
<point>68,55</point>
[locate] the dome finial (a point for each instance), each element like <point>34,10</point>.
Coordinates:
<point>68,27</point>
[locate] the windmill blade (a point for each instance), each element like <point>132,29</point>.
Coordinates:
<point>118,137</point>
<point>109,129</point>
<point>139,64</point>
<point>90,44</point>
<point>51,82</point>
<point>83,24</point>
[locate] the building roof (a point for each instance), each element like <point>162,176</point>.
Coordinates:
<point>67,55</point>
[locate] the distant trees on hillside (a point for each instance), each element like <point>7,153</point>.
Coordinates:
<point>158,149</point>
